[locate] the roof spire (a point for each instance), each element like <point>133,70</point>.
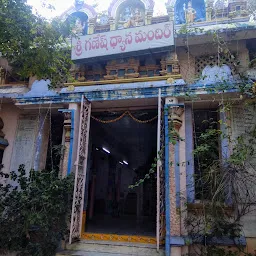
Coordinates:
<point>79,3</point>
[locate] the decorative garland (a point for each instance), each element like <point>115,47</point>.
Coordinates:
<point>126,113</point>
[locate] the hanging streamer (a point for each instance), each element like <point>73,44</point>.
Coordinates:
<point>126,113</point>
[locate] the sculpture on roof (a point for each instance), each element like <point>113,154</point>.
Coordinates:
<point>230,9</point>
<point>79,22</point>
<point>79,16</point>
<point>80,27</point>
<point>117,5</point>
<point>220,4</point>
<point>79,3</point>
<point>130,16</point>
<point>189,11</point>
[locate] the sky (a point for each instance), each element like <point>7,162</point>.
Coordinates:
<point>62,5</point>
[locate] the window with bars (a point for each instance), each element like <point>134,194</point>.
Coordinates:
<point>215,60</point>
<point>206,146</point>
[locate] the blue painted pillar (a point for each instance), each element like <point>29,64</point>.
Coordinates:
<point>167,184</point>
<point>68,141</point>
<point>173,113</point>
<point>189,142</point>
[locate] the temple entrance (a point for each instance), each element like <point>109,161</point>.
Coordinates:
<point>122,149</point>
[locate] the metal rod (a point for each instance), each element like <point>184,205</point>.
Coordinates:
<point>158,171</point>
<point>167,185</point>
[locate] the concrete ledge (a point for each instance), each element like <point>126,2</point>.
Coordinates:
<point>219,241</point>
<point>177,241</point>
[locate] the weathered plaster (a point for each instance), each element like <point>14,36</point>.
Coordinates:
<point>216,74</point>
<point>121,92</point>
<point>210,28</point>
<point>10,114</point>
<point>174,218</point>
<point>40,89</point>
<point>187,64</point>
<point>12,91</point>
<point>187,55</point>
<point>182,173</point>
<point>42,142</point>
<point>251,245</point>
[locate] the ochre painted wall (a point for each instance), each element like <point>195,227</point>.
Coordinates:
<point>9,114</point>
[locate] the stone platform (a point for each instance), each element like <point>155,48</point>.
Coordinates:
<point>100,248</point>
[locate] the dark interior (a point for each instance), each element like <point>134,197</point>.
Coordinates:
<point>121,153</point>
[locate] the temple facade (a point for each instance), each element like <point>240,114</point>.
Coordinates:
<point>140,89</point>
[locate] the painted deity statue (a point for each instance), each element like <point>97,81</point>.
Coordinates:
<point>80,27</point>
<point>138,18</point>
<point>190,13</point>
<point>130,17</point>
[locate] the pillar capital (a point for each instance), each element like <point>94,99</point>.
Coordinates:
<point>112,24</point>
<point>67,125</point>
<point>175,115</point>
<point>148,17</point>
<point>175,112</point>
<point>209,9</point>
<point>170,10</point>
<point>91,26</point>
<point>67,142</point>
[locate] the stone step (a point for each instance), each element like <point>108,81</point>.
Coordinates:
<point>99,248</point>
<point>85,253</point>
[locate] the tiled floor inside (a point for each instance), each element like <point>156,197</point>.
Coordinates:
<point>124,225</point>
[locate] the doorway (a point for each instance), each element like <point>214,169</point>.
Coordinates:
<point>122,149</point>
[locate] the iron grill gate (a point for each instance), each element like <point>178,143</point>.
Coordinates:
<point>80,171</point>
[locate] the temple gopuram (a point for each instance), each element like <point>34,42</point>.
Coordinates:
<point>140,89</point>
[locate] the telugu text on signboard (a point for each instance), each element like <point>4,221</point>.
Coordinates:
<point>123,41</point>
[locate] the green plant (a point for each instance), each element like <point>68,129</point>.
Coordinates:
<point>174,137</point>
<point>226,193</point>
<point>32,45</point>
<point>34,211</point>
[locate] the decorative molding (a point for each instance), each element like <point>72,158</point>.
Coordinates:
<point>80,171</point>
<point>119,238</point>
<point>67,125</point>
<point>173,2</point>
<point>112,10</point>
<point>129,80</point>
<point>122,91</point>
<point>85,8</point>
<point>175,114</point>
